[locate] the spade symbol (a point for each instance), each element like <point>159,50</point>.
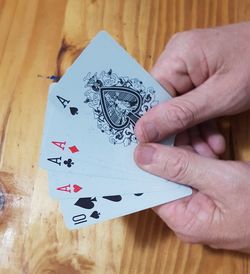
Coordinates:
<point>114,198</point>
<point>121,107</point>
<point>73,110</point>
<point>86,203</point>
<point>95,214</point>
<point>138,194</point>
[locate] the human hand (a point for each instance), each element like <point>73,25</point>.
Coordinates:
<point>210,70</point>
<point>217,213</point>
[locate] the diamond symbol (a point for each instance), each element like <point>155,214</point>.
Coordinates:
<point>73,149</point>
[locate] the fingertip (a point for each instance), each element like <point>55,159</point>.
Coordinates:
<point>217,143</point>
<point>139,131</point>
<point>204,150</point>
<point>199,145</point>
<point>213,137</point>
<point>136,154</point>
<point>143,154</point>
<point>146,131</point>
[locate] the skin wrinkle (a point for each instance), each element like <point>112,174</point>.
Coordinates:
<point>177,168</point>
<point>180,115</point>
<point>204,60</point>
<point>187,225</point>
<point>189,75</point>
<point>178,68</point>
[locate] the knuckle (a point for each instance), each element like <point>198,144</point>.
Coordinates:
<point>179,116</point>
<point>188,38</point>
<point>177,168</point>
<point>185,42</point>
<point>176,36</point>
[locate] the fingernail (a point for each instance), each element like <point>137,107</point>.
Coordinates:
<point>147,132</point>
<point>145,154</point>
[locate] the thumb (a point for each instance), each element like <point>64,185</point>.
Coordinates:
<point>181,112</point>
<point>186,167</point>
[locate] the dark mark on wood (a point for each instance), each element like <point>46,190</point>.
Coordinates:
<point>3,133</point>
<point>7,191</point>
<point>66,48</point>
<point>2,200</point>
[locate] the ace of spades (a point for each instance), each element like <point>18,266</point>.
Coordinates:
<point>109,99</point>
<point>120,106</point>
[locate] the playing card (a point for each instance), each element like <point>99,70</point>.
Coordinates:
<point>69,186</point>
<point>104,118</point>
<point>86,211</point>
<point>63,151</point>
<point>109,86</point>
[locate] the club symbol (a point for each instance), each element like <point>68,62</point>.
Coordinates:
<point>95,214</point>
<point>68,163</point>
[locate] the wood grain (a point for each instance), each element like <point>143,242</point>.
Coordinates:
<point>44,37</point>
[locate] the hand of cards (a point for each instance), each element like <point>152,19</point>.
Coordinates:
<point>89,139</point>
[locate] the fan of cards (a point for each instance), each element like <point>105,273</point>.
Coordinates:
<point>89,139</point>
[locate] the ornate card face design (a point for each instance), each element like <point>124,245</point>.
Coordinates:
<point>117,102</point>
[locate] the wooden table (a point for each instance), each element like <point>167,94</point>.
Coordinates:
<point>44,37</point>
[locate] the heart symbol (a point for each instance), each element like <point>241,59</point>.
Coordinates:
<point>73,110</point>
<point>76,188</point>
<point>87,203</point>
<point>95,215</point>
<point>120,106</point>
